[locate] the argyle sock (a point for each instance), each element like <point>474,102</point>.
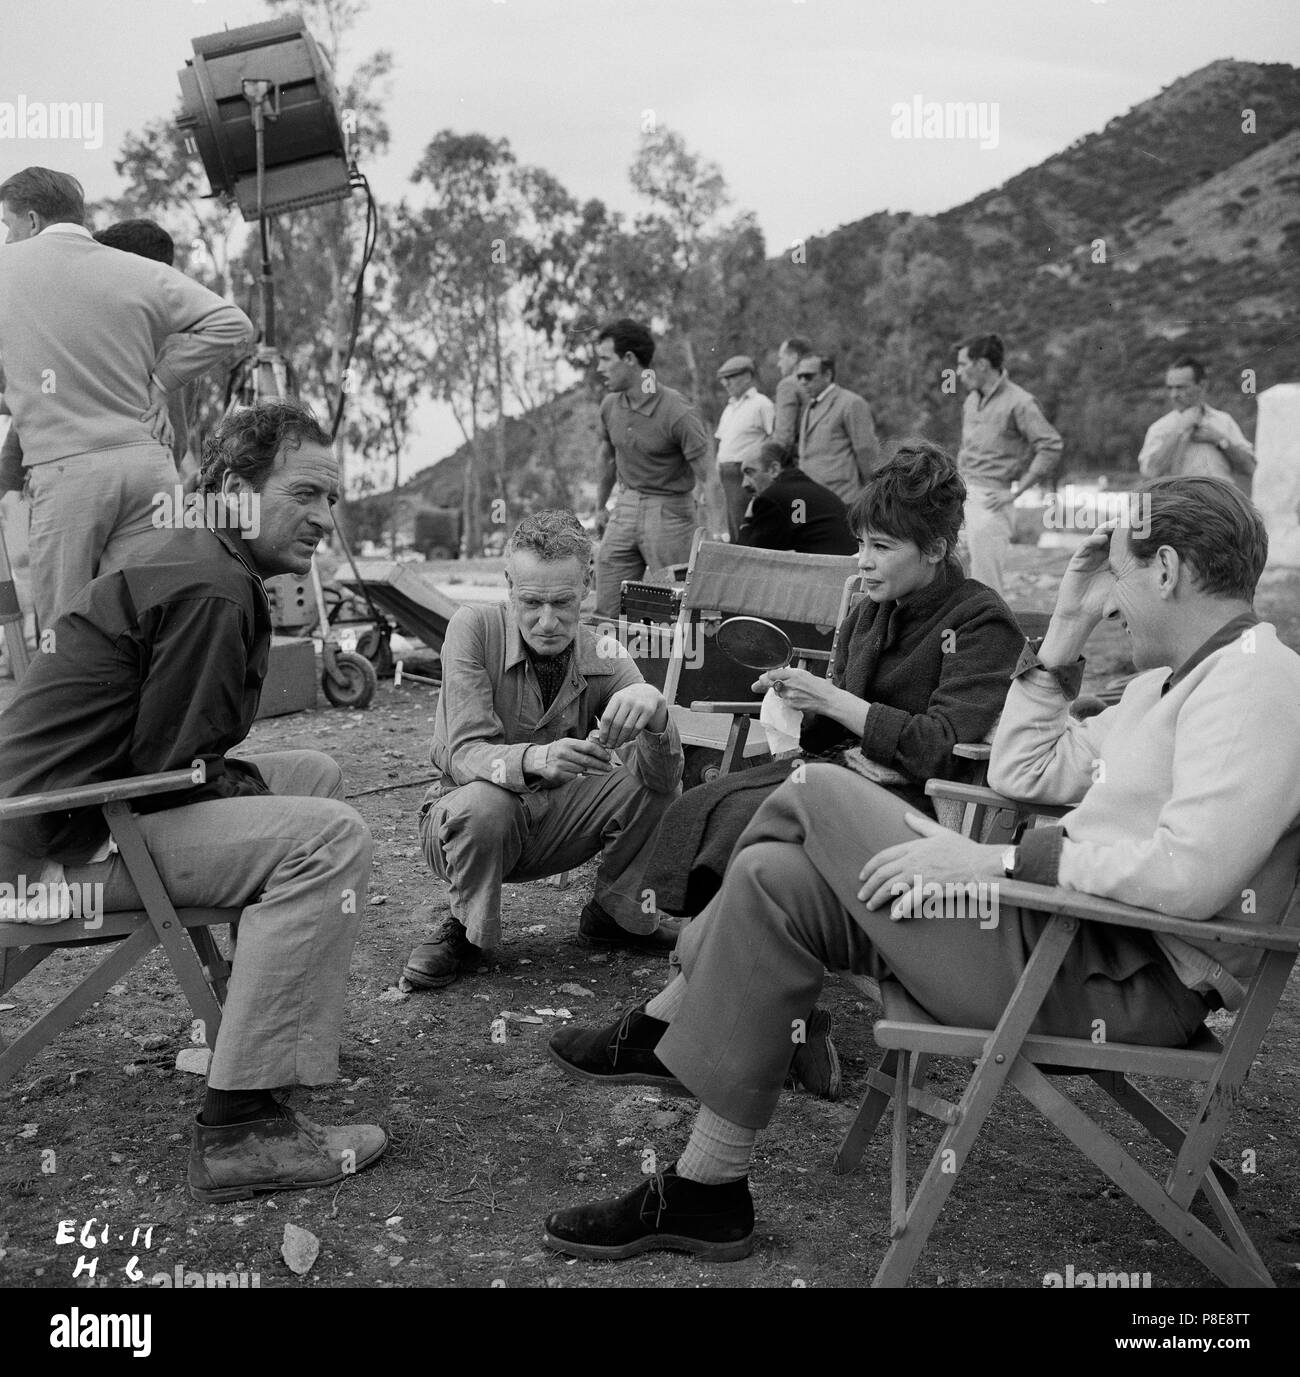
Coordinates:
<point>665,1004</point>
<point>237,1107</point>
<point>718,1151</point>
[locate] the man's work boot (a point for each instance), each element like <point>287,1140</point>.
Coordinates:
<point>438,960</point>
<point>286,1153</point>
<point>597,929</point>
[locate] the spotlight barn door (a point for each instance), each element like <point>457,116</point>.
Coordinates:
<point>306,156</point>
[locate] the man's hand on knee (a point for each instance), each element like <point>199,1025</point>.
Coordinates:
<point>936,856</point>
<point>558,762</point>
<point>631,711</point>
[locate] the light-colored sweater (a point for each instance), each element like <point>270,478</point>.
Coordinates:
<point>1188,803</point>
<point>82,328</point>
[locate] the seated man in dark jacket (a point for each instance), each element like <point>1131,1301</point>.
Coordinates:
<point>160,664</point>
<point>789,510</point>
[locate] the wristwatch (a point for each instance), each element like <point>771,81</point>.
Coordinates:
<point>1010,860</point>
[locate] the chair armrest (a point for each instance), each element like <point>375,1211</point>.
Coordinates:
<point>978,793</point>
<point>88,795</point>
<point>1094,909</point>
<point>731,709</point>
<point>972,750</point>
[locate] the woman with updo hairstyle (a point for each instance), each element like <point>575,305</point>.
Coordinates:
<point>922,662</point>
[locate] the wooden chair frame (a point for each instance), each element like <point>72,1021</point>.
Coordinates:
<point>199,967</point>
<point>1010,1053</point>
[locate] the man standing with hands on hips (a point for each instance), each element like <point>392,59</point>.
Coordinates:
<point>1007,445</point>
<point>655,447</point>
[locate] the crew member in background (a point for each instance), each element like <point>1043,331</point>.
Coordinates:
<point>789,399</point>
<point>1007,445</point>
<point>788,511</point>
<point>91,343</point>
<point>655,447</point>
<point>746,421</point>
<point>837,437</point>
<point>1194,439</point>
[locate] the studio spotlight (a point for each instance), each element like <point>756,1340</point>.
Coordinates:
<point>274,76</point>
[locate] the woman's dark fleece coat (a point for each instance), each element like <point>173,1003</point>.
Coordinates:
<point>935,668</point>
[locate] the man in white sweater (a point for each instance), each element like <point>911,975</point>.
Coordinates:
<point>1188,801</point>
<point>91,342</point>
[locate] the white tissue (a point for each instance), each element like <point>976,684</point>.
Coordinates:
<point>780,722</point>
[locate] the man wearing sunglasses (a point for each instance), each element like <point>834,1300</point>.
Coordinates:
<point>837,437</point>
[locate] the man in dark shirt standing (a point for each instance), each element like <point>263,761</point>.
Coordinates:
<point>654,445</point>
<point>161,663</point>
<point>788,510</point>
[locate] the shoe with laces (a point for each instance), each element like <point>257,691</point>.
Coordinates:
<point>667,1213</point>
<point>816,1064</point>
<point>439,959</point>
<point>285,1153</point>
<point>597,929</point>
<point>620,1054</point>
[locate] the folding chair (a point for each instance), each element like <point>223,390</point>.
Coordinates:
<point>198,964</point>
<point>1033,1062</point>
<point>801,594</point>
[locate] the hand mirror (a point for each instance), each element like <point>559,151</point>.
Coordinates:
<point>754,643</point>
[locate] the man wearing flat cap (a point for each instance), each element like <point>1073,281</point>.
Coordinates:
<point>746,421</point>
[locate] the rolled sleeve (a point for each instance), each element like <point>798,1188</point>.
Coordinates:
<point>658,761</point>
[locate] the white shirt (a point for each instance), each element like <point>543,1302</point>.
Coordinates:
<point>745,423</point>
<point>1200,458</point>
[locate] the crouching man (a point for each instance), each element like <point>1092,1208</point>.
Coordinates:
<point>1186,800</point>
<point>532,710</point>
<point>159,664</point>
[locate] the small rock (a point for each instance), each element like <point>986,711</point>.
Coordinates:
<point>155,1042</point>
<point>118,989</point>
<point>29,1130</point>
<point>376,899</point>
<point>535,930</point>
<point>299,1249</point>
<point>194,1060</point>
<point>580,990</point>
<point>643,971</point>
<point>394,994</point>
<point>665,1118</point>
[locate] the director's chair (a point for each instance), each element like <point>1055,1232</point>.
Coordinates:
<point>1035,1064</point>
<point>198,965</point>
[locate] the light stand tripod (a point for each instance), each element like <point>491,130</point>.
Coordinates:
<point>348,679</point>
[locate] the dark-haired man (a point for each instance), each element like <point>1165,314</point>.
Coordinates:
<point>837,436</point>
<point>532,709</point>
<point>655,448</point>
<point>162,663</point>
<point>1193,438</point>
<point>1186,800</point>
<point>91,342</point>
<point>1007,445</point>
<point>788,511</point>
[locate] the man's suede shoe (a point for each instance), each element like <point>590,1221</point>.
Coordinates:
<point>597,929</point>
<point>666,1213</point>
<point>441,958</point>
<point>287,1153</point>
<point>620,1054</point>
<point>816,1064</point>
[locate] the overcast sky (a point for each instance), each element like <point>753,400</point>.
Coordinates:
<point>792,98</point>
